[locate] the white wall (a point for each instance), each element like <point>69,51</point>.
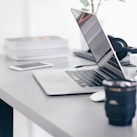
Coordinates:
<point>13,19</point>
<point>44,17</point>
<point>53,17</point>
<point>120,19</point>
<point>37,17</point>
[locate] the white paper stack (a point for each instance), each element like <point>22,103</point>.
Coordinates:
<point>29,48</point>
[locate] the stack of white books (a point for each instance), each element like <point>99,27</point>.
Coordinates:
<point>28,48</point>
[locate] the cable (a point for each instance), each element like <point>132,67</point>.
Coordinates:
<point>85,65</point>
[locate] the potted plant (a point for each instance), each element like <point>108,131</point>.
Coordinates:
<point>93,5</point>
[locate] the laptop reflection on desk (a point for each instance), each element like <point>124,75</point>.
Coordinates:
<point>79,81</point>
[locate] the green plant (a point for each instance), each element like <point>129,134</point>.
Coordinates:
<point>94,9</point>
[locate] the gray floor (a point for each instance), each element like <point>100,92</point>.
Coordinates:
<point>24,127</point>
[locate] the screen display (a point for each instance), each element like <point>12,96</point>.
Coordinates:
<point>30,65</point>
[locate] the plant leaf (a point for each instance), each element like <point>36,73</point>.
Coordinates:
<point>85,2</point>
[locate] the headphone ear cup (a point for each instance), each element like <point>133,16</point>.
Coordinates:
<point>119,45</point>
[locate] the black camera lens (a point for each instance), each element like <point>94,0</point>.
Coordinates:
<point>120,104</point>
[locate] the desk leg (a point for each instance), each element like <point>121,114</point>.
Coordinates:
<point>6,120</point>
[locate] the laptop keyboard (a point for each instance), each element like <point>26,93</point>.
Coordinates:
<point>113,62</point>
<point>85,78</point>
<point>91,78</point>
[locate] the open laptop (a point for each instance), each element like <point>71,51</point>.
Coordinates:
<point>78,81</point>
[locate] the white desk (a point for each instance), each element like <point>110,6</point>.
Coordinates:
<point>61,116</point>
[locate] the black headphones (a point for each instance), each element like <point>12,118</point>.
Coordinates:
<point>121,47</point>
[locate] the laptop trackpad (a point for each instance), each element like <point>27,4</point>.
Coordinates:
<point>58,82</point>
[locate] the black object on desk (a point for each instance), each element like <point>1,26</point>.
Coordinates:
<point>120,46</point>
<point>88,55</point>
<point>84,54</point>
<point>120,104</point>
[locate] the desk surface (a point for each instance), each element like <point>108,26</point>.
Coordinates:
<point>61,116</point>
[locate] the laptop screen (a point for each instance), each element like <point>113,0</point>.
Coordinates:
<point>98,42</point>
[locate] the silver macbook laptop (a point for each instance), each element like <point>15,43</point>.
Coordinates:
<point>79,81</point>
